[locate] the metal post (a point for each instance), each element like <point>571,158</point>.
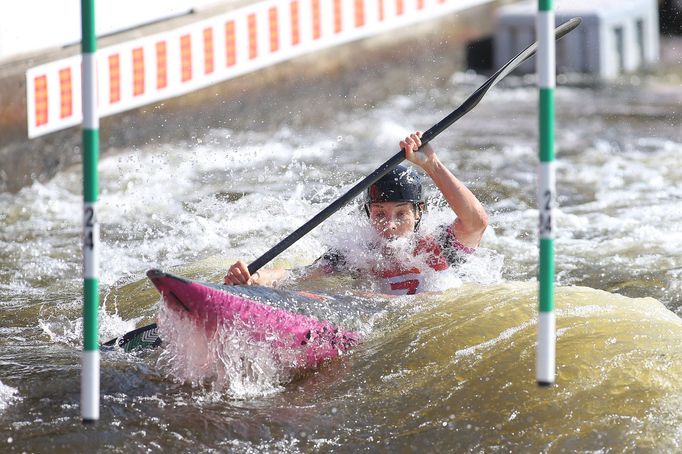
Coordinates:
<point>546,69</point>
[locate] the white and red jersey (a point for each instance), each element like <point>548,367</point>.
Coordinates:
<point>438,252</point>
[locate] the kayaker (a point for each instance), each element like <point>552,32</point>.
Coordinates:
<point>395,205</point>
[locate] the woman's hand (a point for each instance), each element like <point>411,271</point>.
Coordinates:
<point>238,274</point>
<point>411,144</point>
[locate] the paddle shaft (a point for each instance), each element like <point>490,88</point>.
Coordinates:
<point>387,166</point>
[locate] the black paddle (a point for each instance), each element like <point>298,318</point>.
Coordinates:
<point>387,166</point>
<point>471,102</point>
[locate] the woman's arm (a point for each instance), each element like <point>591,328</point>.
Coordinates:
<point>472,219</point>
<point>238,274</point>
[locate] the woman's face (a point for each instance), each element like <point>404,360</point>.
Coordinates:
<point>393,219</point>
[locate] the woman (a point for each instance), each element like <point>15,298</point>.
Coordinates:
<point>395,205</point>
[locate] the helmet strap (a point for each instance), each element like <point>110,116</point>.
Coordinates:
<point>419,212</point>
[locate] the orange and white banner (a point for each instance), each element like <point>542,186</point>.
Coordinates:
<point>164,65</point>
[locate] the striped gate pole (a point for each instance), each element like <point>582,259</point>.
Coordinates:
<point>546,68</point>
<point>90,358</point>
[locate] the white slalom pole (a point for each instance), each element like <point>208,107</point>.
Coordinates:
<point>546,71</point>
<point>90,358</point>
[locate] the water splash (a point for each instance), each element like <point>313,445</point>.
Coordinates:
<point>227,361</point>
<point>364,250</point>
<point>63,330</point>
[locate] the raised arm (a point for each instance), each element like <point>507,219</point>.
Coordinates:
<point>472,219</point>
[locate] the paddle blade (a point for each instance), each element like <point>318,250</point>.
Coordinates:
<point>146,337</point>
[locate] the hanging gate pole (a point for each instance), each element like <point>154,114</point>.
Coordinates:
<point>546,70</point>
<point>90,358</point>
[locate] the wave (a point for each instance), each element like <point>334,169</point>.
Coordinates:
<point>461,365</point>
<point>455,370</point>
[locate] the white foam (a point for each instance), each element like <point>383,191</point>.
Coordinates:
<point>8,396</point>
<point>489,344</point>
<point>60,329</point>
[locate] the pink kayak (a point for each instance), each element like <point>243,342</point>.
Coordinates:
<point>215,307</point>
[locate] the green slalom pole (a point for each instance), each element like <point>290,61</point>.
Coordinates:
<point>546,72</point>
<point>90,358</point>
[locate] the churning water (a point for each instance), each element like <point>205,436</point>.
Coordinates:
<point>448,370</point>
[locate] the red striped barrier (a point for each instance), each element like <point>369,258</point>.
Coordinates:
<point>164,65</point>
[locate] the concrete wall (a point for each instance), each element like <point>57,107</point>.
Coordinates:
<point>615,37</point>
<point>436,48</point>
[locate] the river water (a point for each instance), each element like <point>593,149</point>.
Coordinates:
<point>448,370</point>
